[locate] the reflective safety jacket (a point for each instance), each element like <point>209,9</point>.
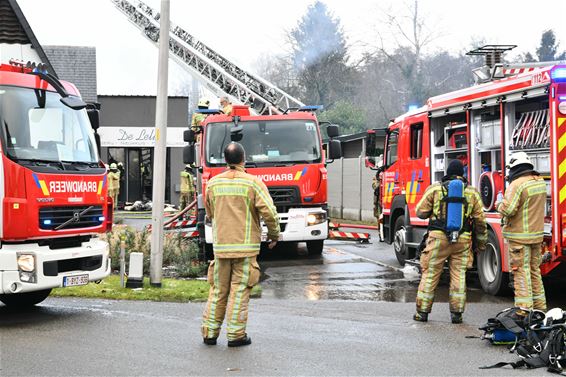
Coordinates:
<point>235,202</point>
<point>433,207</point>
<point>187,182</point>
<point>523,209</point>
<point>196,122</point>
<point>114,180</point>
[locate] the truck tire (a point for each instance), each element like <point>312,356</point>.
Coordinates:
<point>315,247</point>
<point>402,251</point>
<point>490,270</point>
<point>22,300</point>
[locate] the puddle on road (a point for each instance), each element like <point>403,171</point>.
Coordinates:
<point>338,275</point>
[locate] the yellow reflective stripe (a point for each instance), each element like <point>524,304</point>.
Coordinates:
<point>523,235</point>
<point>562,142</point>
<point>562,169</point>
<point>229,245</point>
<point>561,121</point>
<point>562,194</point>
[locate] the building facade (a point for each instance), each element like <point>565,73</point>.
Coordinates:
<point>127,135</point>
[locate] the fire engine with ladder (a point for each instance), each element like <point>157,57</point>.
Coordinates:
<point>519,107</point>
<point>53,187</point>
<point>281,136</point>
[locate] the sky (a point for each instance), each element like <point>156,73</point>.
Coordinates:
<point>245,30</point>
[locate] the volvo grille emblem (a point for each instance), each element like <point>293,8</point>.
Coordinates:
<point>76,216</point>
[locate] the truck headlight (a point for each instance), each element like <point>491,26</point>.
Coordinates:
<point>26,262</point>
<point>316,218</point>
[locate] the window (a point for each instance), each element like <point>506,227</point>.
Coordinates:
<point>416,141</point>
<point>392,141</point>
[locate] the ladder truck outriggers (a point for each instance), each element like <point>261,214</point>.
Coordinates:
<point>53,187</point>
<point>520,107</point>
<point>281,135</point>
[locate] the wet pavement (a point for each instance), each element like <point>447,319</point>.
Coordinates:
<point>369,272</point>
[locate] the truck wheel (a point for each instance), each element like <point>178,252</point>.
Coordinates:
<point>21,300</point>
<point>402,251</point>
<point>490,270</point>
<point>315,247</point>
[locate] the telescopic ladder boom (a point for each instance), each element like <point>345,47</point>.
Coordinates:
<point>214,71</point>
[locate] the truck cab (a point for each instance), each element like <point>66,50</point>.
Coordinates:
<point>53,188</point>
<point>285,151</point>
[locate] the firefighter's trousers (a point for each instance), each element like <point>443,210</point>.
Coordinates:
<point>113,193</point>
<point>527,282</point>
<point>231,281</point>
<point>432,263</point>
<point>185,199</point>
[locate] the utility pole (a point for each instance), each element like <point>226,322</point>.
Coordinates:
<point>156,261</point>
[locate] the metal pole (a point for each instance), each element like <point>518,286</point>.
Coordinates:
<point>122,259</point>
<point>156,261</point>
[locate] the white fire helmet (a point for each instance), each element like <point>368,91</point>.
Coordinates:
<point>519,158</point>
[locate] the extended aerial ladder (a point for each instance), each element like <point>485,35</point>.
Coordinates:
<point>218,74</point>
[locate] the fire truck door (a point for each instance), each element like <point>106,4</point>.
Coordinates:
<point>416,170</point>
<point>390,185</point>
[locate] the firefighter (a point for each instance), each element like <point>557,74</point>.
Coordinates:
<point>226,105</point>
<point>439,247</point>
<point>376,186</point>
<point>235,201</point>
<point>114,183</point>
<point>187,187</point>
<point>522,210</point>
<point>197,119</point>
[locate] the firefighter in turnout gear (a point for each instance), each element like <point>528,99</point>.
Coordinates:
<point>454,245</point>
<point>198,118</point>
<point>226,105</point>
<point>187,187</point>
<point>235,202</point>
<point>523,209</point>
<point>114,183</point>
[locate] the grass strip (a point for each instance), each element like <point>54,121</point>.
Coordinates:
<point>172,290</point>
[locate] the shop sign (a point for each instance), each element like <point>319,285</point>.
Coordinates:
<point>138,136</point>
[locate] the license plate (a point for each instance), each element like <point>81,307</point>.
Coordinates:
<point>71,281</point>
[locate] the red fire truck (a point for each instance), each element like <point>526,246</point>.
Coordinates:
<point>286,152</point>
<point>511,108</point>
<point>53,187</point>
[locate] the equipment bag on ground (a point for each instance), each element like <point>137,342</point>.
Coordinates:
<point>539,339</point>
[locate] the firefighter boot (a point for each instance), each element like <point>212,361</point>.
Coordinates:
<point>246,340</point>
<point>421,316</point>
<point>456,317</point>
<point>209,341</point>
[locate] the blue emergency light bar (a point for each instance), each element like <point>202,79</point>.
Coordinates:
<point>558,74</point>
<point>208,111</point>
<point>311,108</point>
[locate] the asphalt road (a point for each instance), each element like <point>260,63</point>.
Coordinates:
<point>290,337</point>
<point>345,313</point>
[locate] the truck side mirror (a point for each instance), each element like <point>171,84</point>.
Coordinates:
<point>371,150</point>
<point>334,149</point>
<point>94,117</point>
<point>332,131</point>
<point>189,136</point>
<point>189,154</point>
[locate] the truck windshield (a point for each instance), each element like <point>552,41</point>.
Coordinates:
<point>267,142</point>
<point>35,126</point>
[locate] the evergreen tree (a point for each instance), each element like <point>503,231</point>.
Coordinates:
<point>320,55</point>
<point>548,49</point>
